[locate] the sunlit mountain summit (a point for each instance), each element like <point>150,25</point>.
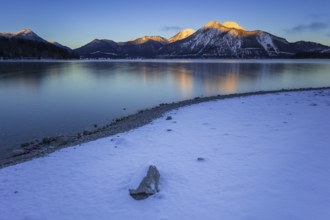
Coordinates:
<point>181,35</point>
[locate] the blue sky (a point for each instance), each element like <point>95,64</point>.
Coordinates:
<point>75,23</point>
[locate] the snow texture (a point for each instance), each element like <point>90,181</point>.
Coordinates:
<point>267,43</point>
<point>264,157</point>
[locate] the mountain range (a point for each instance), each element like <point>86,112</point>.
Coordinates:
<point>213,40</point>
<point>27,44</point>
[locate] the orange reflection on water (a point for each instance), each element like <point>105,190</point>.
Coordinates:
<point>150,74</point>
<point>222,84</point>
<point>185,80</point>
<point>228,83</point>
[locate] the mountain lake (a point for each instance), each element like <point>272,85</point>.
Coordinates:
<point>52,98</point>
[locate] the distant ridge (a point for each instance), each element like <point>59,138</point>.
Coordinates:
<point>26,44</point>
<point>26,34</point>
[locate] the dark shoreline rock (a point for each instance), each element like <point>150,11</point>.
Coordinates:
<point>126,123</point>
<point>169,118</point>
<point>18,152</point>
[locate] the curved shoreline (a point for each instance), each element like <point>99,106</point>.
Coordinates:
<point>48,145</point>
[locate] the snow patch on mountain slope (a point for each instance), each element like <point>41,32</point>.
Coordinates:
<point>234,44</point>
<point>267,43</point>
<point>203,39</point>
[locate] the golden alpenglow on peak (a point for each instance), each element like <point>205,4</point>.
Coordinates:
<point>232,24</point>
<point>224,26</point>
<point>212,24</point>
<point>182,35</point>
<point>24,31</point>
<point>188,31</point>
<point>145,39</point>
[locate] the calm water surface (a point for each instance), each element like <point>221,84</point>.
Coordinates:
<point>40,99</point>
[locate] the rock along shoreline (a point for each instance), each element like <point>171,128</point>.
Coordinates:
<point>48,145</point>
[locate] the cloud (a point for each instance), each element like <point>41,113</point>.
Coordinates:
<point>315,26</point>
<point>171,28</point>
<point>316,15</point>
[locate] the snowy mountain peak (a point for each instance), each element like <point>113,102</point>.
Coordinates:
<point>222,27</point>
<point>145,39</point>
<point>232,24</point>
<point>182,35</point>
<point>25,31</point>
<point>26,34</point>
<point>213,24</point>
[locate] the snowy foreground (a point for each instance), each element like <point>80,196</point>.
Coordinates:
<point>265,157</point>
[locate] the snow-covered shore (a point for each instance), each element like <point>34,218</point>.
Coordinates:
<point>265,157</point>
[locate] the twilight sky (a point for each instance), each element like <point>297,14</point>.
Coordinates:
<point>75,22</point>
